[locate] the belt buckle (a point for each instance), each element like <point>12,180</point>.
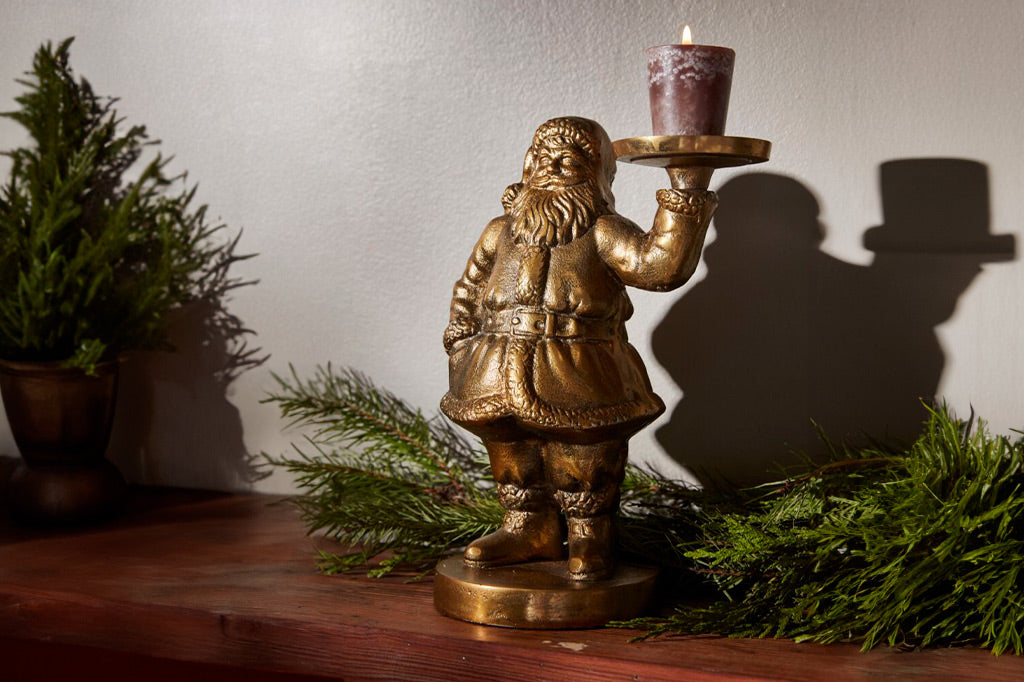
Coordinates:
<point>522,322</point>
<point>527,322</point>
<point>532,323</point>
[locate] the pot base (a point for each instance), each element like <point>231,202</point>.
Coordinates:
<point>66,495</point>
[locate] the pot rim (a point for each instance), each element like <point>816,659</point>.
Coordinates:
<point>53,367</point>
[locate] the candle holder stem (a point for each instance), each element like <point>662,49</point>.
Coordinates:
<point>690,177</point>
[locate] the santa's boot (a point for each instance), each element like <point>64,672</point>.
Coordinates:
<point>591,547</point>
<point>590,516</point>
<point>530,531</point>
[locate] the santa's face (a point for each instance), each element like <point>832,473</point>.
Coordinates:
<point>559,199</point>
<point>555,166</point>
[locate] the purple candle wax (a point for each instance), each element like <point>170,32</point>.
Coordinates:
<point>689,88</point>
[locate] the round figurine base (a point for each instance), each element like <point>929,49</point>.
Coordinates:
<point>539,595</point>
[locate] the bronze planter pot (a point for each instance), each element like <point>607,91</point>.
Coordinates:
<point>61,419</point>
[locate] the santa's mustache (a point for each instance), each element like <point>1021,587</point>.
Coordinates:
<point>554,216</point>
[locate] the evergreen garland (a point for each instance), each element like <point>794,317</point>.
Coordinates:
<point>913,548</point>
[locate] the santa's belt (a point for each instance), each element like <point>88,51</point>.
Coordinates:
<point>536,322</point>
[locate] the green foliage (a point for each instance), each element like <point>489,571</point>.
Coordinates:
<point>659,518</point>
<point>921,547</point>
<point>915,548</point>
<point>379,476</point>
<point>91,265</point>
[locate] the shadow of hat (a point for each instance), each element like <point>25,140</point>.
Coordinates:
<point>937,206</point>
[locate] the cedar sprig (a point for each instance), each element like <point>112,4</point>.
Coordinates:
<point>911,549</point>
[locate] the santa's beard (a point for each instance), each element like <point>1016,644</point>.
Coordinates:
<point>554,216</point>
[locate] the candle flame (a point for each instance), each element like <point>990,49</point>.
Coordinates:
<point>687,36</point>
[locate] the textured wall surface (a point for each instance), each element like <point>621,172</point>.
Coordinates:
<point>363,145</point>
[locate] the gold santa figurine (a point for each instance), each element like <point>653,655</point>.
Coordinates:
<point>539,363</point>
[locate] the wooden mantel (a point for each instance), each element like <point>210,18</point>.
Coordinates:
<point>200,586</point>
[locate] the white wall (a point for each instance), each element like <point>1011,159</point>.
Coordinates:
<point>363,145</point>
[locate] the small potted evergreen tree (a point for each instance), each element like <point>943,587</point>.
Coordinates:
<point>91,266</point>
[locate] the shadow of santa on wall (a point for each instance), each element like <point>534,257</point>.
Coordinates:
<point>780,333</point>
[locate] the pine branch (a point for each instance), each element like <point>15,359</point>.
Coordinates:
<point>381,476</point>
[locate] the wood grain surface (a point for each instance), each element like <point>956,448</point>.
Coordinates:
<point>191,585</point>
